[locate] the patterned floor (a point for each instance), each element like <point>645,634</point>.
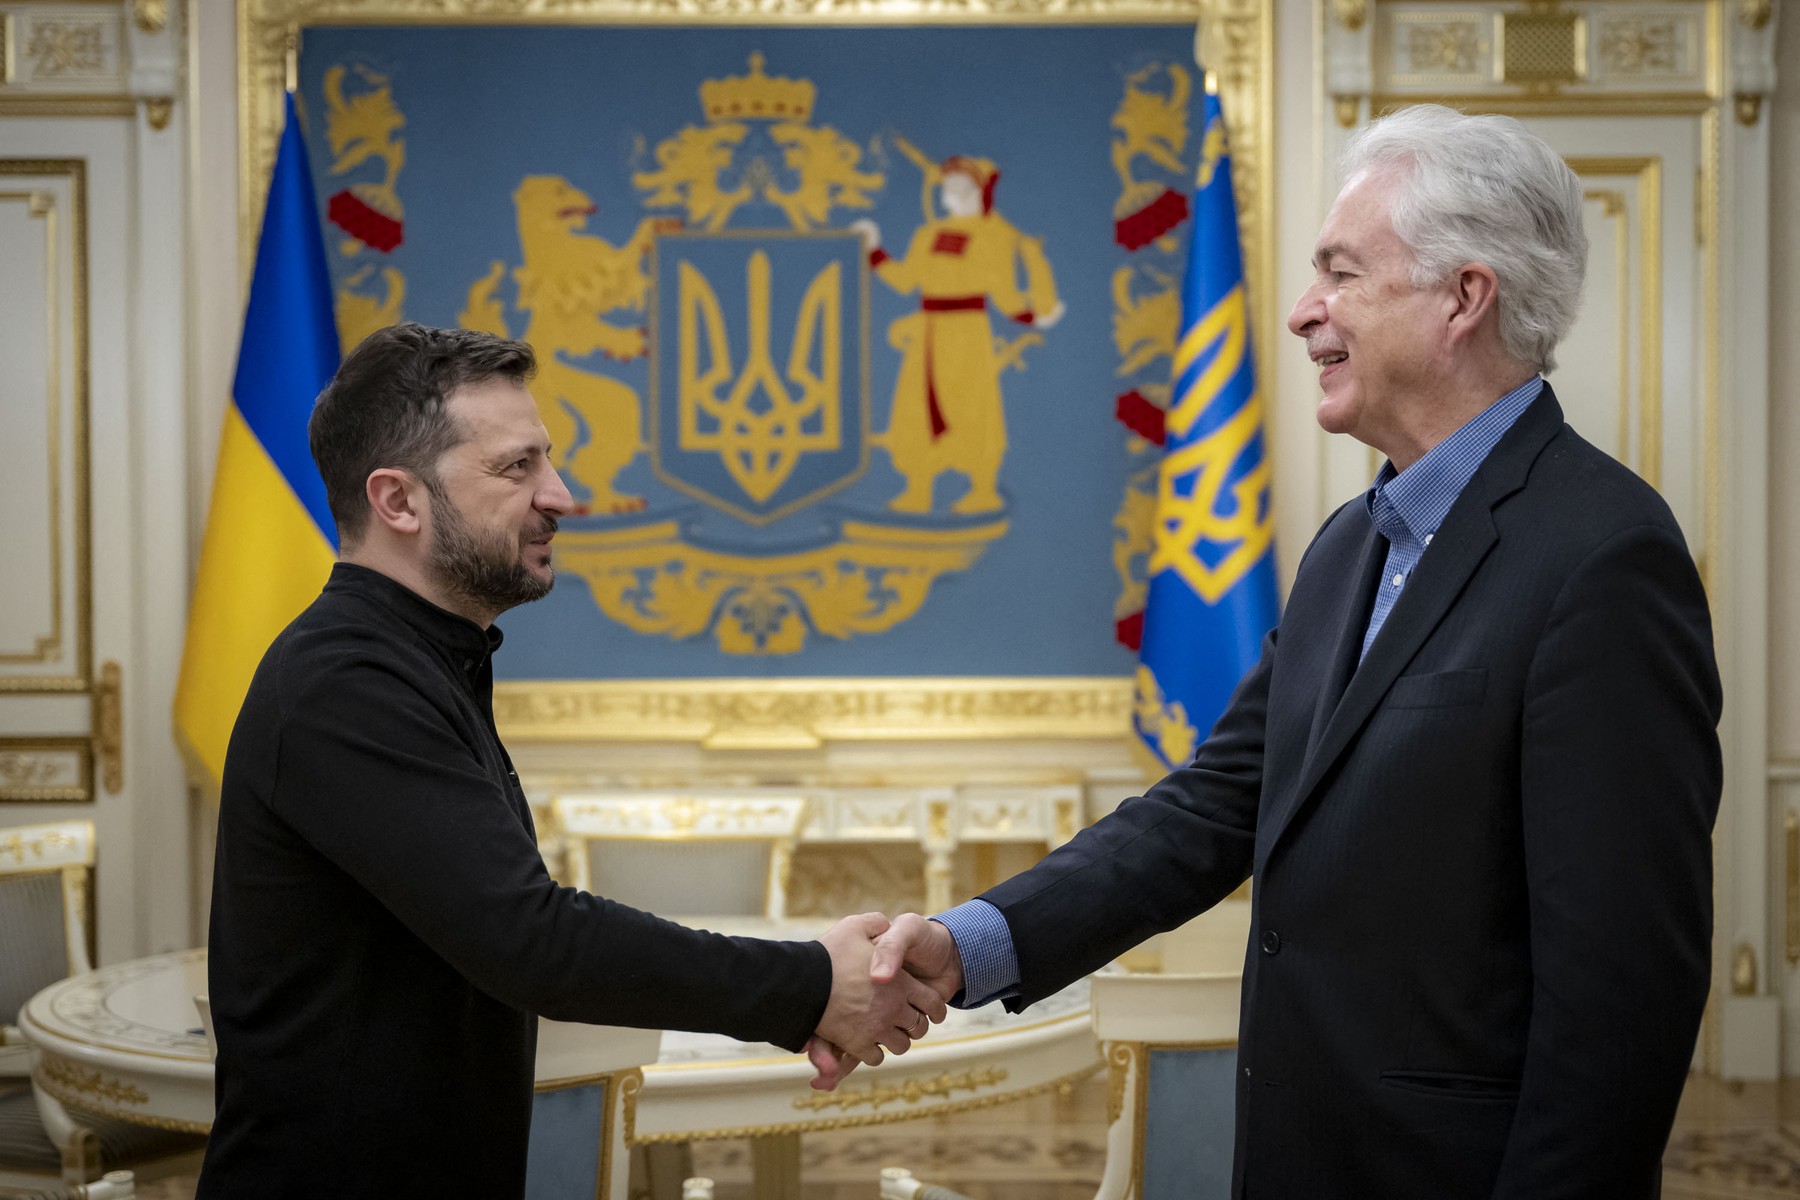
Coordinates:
<point>1735,1142</point>
<point>1731,1142</point>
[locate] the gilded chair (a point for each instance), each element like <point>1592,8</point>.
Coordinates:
<point>45,883</point>
<point>44,873</point>
<point>1170,1045</point>
<point>719,861</point>
<point>588,1079</point>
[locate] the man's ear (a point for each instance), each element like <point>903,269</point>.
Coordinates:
<point>395,499</point>
<point>1475,292</point>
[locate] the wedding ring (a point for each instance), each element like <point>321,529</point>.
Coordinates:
<point>913,1030</point>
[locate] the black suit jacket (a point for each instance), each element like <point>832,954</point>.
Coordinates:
<point>1482,914</point>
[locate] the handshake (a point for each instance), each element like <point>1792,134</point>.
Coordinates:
<point>889,983</point>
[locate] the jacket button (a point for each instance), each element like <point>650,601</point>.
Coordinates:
<point>1271,942</point>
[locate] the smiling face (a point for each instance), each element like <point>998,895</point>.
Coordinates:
<point>1379,342</point>
<point>495,500</point>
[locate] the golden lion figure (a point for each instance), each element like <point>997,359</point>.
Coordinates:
<point>1151,124</point>
<point>568,281</point>
<point>362,127</point>
<point>1144,329</point>
<point>689,165</point>
<point>360,314</point>
<point>827,163</point>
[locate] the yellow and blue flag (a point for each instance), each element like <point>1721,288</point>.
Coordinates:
<point>270,540</point>
<point>1212,592</point>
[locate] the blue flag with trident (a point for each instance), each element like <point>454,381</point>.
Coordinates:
<point>1212,558</point>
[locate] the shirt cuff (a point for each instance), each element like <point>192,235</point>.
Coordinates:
<point>989,962</point>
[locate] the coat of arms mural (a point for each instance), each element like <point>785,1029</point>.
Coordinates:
<point>833,379</point>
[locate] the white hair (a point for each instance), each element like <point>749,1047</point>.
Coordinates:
<point>1487,190</point>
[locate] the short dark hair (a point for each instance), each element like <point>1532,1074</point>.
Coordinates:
<point>386,407</point>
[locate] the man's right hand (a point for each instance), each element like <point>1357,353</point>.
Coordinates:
<point>910,949</point>
<point>865,1013</point>
<point>924,949</point>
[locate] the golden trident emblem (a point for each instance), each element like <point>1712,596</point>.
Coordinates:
<point>762,426</point>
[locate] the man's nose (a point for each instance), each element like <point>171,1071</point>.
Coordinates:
<point>1307,312</point>
<point>553,496</point>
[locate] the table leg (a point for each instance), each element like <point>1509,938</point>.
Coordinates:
<point>658,1168</point>
<point>79,1147</point>
<point>775,1166</point>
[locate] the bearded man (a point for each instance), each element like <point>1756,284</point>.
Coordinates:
<point>384,932</point>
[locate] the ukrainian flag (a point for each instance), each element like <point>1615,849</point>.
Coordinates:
<point>1212,558</point>
<point>270,540</point>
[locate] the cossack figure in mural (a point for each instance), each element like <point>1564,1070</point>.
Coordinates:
<point>947,407</point>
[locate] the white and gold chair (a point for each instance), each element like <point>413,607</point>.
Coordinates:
<point>1170,1045</point>
<point>44,873</point>
<point>45,885</point>
<point>717,861</point>
<point>588,1077</point>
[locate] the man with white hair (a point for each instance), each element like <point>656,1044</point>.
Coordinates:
<point>1476,770</point>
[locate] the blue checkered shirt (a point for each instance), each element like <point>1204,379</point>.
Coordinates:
<point>1407,506</point>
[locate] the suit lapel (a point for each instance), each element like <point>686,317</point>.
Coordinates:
<point>1358,599</point>
<point>1457,550</point>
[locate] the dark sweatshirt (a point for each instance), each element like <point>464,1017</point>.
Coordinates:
<point>384,930</point>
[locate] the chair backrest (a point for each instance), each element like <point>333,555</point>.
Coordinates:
<point>44,910</point>
<point>588,1077</point>
<point>682,855</point>
<point>1170,1042</point>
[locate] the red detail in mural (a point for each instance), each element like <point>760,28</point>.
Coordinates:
<point>352,214</point>
<point>1151,221</point>
<point>1129,631</point>
<point>950,242</point>
<point>1140,416</point>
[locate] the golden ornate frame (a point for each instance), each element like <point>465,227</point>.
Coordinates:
<point>804,713</point>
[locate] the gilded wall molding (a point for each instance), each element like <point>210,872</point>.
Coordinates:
<point>1645,172</point>
<point>1542,58</point>
<point>46,770</point>
<point>807,713</point>
<point>56,189</point>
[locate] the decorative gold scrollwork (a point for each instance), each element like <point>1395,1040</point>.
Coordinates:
<point>59,1073</point>
<point>1119,1057</point>
<point>66,47</point>
<point>1743,970</point>
<point>109,727</point>
<point>910,1092</point>
<point>1351,14</point>
<point>630,1084</point>
<point>16,847</point>
<point>151,16</point>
